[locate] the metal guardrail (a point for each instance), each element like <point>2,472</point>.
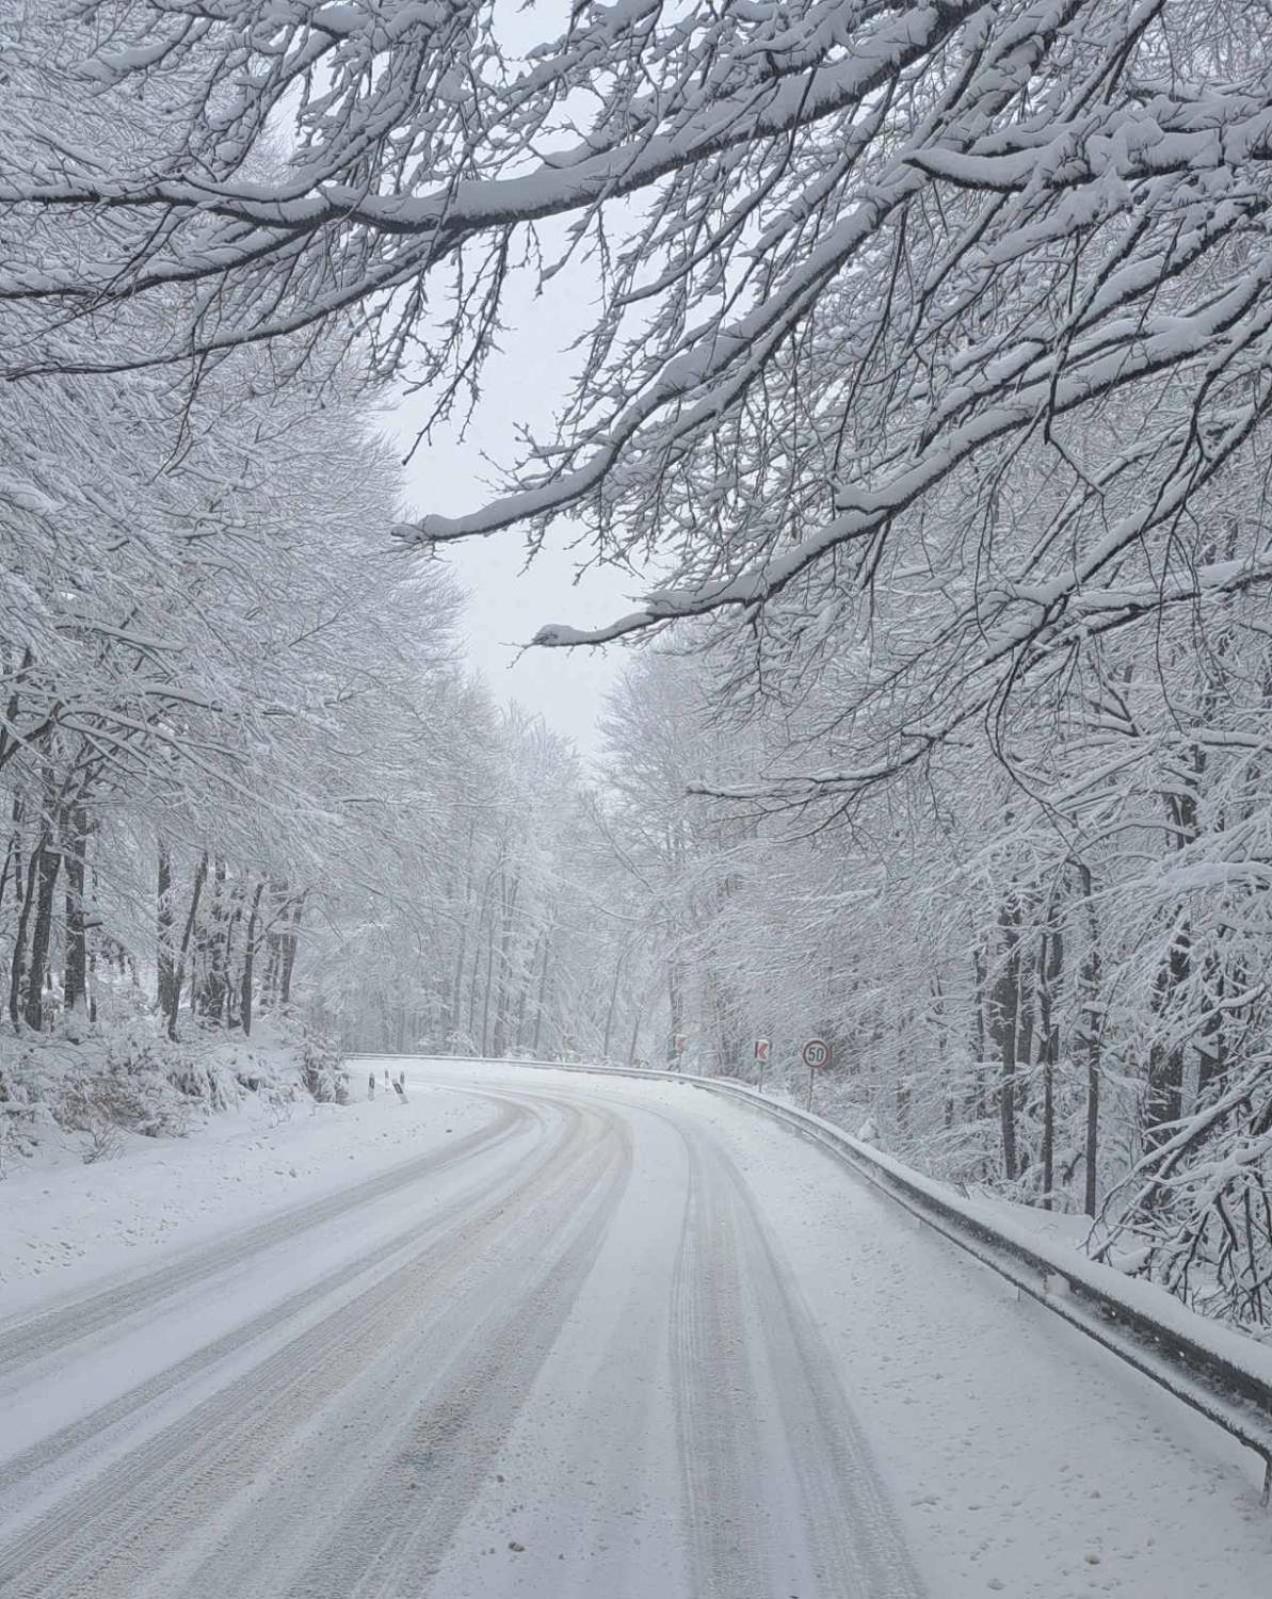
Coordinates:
<point>1234,1398</point>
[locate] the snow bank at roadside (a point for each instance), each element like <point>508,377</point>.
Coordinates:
<point>63,1228</point>
<point>88,1092</point>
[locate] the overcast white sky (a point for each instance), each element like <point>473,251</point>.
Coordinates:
<point>508,601</point>
<point>506,607</point>
<point>522,386</point>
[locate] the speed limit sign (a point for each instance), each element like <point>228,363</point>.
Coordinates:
<point>815,1053</point>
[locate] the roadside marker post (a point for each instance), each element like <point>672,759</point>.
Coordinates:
<point>816,1056</point>
<point>761,1058</point>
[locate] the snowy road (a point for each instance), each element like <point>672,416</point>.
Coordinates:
<point>611,1339</point>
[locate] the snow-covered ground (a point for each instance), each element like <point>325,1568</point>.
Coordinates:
<point>559,1336</point>
<point>64,1224</point>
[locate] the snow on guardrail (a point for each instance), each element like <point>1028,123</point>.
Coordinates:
<point>1220,1373</point>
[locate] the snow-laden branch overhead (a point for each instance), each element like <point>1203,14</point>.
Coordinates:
<point>861,273</point>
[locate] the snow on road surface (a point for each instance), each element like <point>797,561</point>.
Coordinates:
<point>603,1338</point>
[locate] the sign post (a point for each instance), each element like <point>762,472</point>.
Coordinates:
<point>761,1058</point>
<point>816,1056</point>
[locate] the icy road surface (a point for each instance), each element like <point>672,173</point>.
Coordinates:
<point>589,1337</point>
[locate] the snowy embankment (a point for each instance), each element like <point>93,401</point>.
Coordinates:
<point>63,1223</point>
<point>88,1091</point>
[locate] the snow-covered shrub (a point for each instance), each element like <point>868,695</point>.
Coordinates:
<point>280,1102</point>
<point>16,1134</point>
<point>322,1070</point>
<point>103,1082</point>
<point>104,1142</point>
<point>133,1093</point>
<point>1195,1212</point>
<point>201,1077</point>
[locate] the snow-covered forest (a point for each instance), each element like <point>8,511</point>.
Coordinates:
<point>924,397</point>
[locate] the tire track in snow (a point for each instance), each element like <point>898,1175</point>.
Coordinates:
<point>390,1539</point>
<point>781,1493</point>
<point>722,1494</point>
<point>853,1546</point>
<point>25,1474</point>
<point>113,1537</point>
<point>50,1332</point>
<point>345,1462</point>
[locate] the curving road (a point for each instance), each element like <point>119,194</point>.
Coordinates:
<point>567,1356</point>
<point>597,1339</point>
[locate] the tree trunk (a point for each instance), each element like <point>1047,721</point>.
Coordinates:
<point>1212,1064</point>
<point>178,979</point>
<point>164,963</point>
<point>1092,1024</point>
<point>1026,983</point>
<point>485,1007</point>
<point>1164,1099</point>
<point>523,992</point>
<point>232,990</point>
<point>13,854</point>
<point>249,960</point>
<point>454,1018</point>
<point>542,994</point>
<point>289,951</point>
<point>212,977</point>
<point>509,894</point>
<point>17,965</point>
<point>457,986</point>
<point>1050,963</point>
<point>1006,1030</point>
<point>75,965</point>
<point>674,1001</point>
<point>613,1000</point>
<point>978,1101</point>
<point>635,1039</point>
<point>269,985</point>
<point>50,861</point>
